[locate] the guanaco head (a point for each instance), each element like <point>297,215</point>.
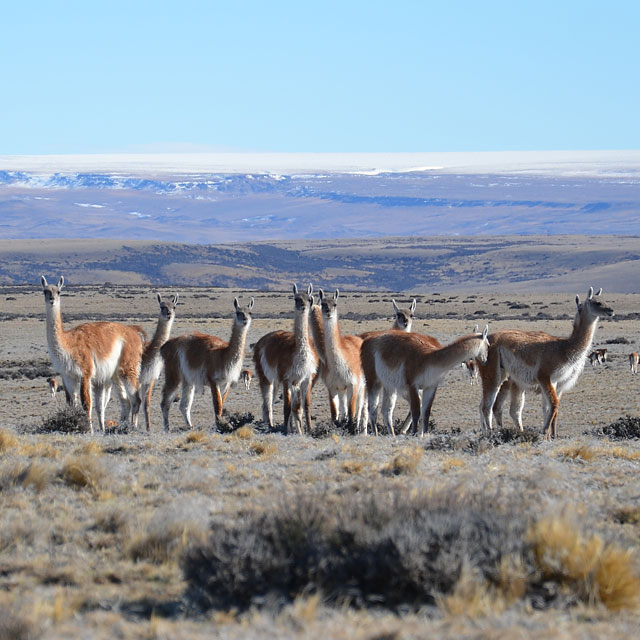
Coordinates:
<point>168,307</point>
<point>303,301</point>
<point>329,306</point>
<point>592,307</point>
<point>245,374</point>
<point>404,317</point>
<point>471,367</point>
<point>243,314</point>
<point>52,292</point>
<point>483,348</point>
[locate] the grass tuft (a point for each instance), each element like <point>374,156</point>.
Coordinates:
<point>598,572</point>
<point>196,437</point>
<point>84,472</point>
<point>579,452</point>
<point>244,433</point>
<point>263,448</point>
<point>405,462</point>
<point>7,440</point>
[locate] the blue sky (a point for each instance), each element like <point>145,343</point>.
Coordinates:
<point>104,77</point>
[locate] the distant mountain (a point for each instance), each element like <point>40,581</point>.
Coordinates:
<point>213,207</point>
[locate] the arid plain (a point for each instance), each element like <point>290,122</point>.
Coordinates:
<point>95,529</point>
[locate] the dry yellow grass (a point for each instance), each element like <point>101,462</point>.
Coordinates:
<point>84,472</point>
<point>196,437</point>
<point>406,461</point>
<point>352,466</point>
<point>451,464</point>
<point>601,572</point>
<point>263,448</point>
<point>579,451</point>
<point>7,440</point>
<point>471,597</point>
<point>244,433</point>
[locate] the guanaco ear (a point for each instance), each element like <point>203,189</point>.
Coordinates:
<point>174,299</point>
<point>598,292</point>
<point>309,289</point>
<point>321,294</point>
<point>159,298</point>
<point>43,280</point>
<point>590,293</point>
<point>413,306</point>
<point>311,300</point>
<point>475,328</point>
<point>60,283</point>
<point>295,289</point>
<point>485,331</point>
<point>251,303</point>
<point>336,295</point>
<point>395,306</point>
<point>578,301</point>
<point>235,303</point>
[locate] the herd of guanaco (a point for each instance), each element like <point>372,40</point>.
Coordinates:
<point>362,373</point>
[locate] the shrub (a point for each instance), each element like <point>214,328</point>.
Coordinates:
<point>624,428</point>
<point>68,419</point>
<point>385,549</point>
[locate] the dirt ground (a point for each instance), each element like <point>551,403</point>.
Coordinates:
<point>64,573</point>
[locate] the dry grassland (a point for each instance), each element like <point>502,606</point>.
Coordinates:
<point>196,534</point>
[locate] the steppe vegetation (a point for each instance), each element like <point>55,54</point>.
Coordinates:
<point>250,533</point>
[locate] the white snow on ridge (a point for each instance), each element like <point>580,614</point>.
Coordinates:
<point>89,206</point>
<point>610,164</point>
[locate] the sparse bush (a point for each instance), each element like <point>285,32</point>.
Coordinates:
<point>619,340</point>
<point>390,550</point>
<point>624,428</point>
<point>68,419</point>
<point>235,421</point>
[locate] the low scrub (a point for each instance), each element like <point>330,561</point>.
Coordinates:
<point>624,428</point>
<point>389,550</point>
<point>399,551</point>
<point>68,419</point>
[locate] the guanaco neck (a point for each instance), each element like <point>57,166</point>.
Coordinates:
<point>301,330</point>
<point>332,336</point>
<point>161,335</point>
<point>56,335</point>
<point>235,348</point>
<point>465,348</point>
<point>581,338</point>
<point>317,331</point>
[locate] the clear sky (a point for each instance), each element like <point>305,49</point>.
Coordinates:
<point>323,76</point>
